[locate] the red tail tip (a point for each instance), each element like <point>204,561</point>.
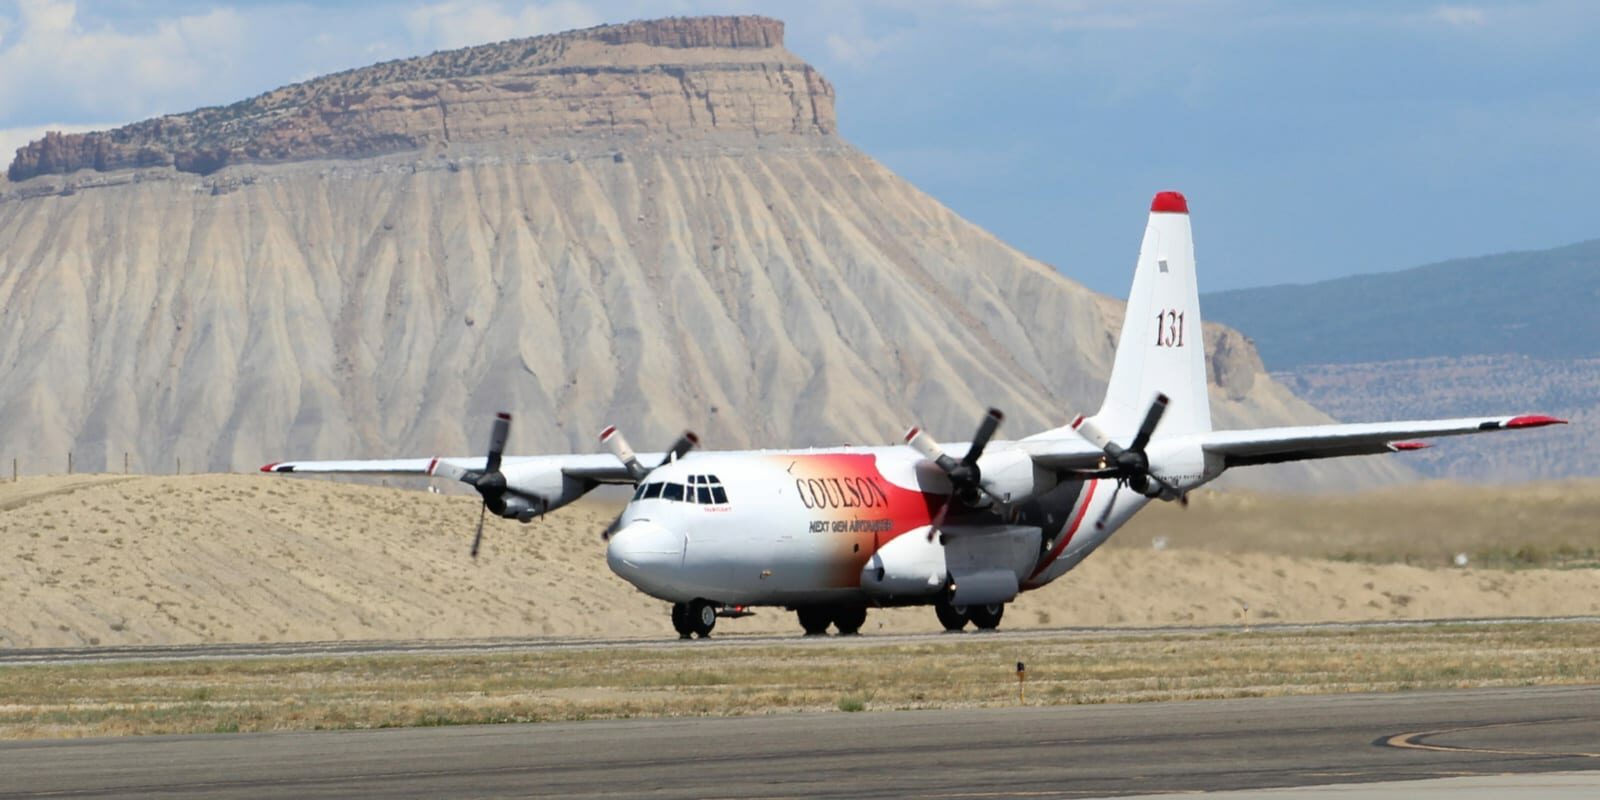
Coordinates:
<point>268,468</point>
<point>1170,202</point>
<point>1076,421</point>
<point>1404,446</point>
<point>1533,421</point>
<point>912,434</point>
<point>606,434</point>
<point>504,415</point>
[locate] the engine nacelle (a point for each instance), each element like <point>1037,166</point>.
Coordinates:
<point>517,507</point>
<point>908,566</point>
<point>535,489</point>
<point>1011,476</point>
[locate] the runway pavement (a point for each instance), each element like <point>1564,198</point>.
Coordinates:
<point>1068,751</point>
<point>345,649</point>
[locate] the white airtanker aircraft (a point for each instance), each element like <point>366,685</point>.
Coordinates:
<point>831,533</point>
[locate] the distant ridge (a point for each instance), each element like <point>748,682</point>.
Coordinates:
<point>1539,303</point>
<point>677,74</point>
<point>1499,334</point>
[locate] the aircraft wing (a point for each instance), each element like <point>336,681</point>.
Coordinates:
<point>1277,445</point>
<point>1066,454</point>
<point>598,467</point>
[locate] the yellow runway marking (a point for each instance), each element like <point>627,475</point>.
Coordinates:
<point>1413,741</point>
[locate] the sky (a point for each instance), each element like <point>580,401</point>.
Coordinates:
<point>1313,139</point>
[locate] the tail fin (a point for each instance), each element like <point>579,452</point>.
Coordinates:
<point>1162,349</point>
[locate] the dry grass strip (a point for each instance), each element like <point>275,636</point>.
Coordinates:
<point>965,671</point>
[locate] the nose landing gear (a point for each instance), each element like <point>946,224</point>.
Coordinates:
<point>694,618</point>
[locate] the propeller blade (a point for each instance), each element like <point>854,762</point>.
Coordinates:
<point>1152,418</point>
<point>1095,435</point>
<point>477,538</point>
<point>1100,523</point>
<point>688,441</point>
<point>497,441</point>
<point>938,519</point>
<point>991,423</point>
<point>445,469</point>
<point>930,449</point>
<point>612,438</point>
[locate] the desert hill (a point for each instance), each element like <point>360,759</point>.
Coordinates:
<point>1504,333</point>
<point>652,224</point>
<point>111,560</point>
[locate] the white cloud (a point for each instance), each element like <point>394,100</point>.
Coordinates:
<point>461,23</point>
<point>1460,16</point>
<point>52,61</point>
<point>857,50</point>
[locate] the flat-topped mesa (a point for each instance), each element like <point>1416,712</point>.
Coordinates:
<point>678,77</point>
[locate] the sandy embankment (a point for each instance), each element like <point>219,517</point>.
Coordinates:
<point>240,558</point>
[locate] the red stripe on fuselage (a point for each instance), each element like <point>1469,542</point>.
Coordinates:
<point>1066,536</point>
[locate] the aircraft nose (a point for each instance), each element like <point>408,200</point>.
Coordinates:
<point>642,548</point>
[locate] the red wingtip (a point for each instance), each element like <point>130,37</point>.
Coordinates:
<point>1404,446</point>
<point>1533,421</point>
<point>606,434</point>
<point>432,465</point>
<point>1170,202</point>
<point>912,433</point>
<point>268,468</point>
<point>1076,421</point>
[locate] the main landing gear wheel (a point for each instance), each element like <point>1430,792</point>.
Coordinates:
<point>701,617</point>
<point>987,618</point>
<point>814,619</point>
<point>680,620</point>
<point>951,617</point>
<point>849,619</point>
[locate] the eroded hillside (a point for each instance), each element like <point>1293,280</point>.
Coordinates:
<point>652,225</point>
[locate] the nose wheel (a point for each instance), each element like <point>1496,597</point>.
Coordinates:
<point>694,618</point>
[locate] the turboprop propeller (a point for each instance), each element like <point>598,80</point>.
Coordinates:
<point>1130,465</point>
<point>966,477</point>
<point>489,481</point>
<point>614,441</point>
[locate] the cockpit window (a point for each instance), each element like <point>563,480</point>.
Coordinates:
<point>698,489</point>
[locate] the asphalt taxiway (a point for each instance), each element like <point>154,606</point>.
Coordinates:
<point>1065,751</point>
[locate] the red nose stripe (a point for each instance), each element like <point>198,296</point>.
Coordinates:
<point>1533,421</point>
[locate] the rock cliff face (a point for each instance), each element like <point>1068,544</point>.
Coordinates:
<point>610,244</point>
<point>670,77</point>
